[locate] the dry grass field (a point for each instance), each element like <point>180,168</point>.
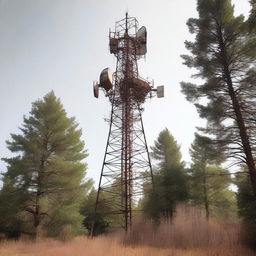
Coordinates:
<point>108,246</point>
<point>188,235</point>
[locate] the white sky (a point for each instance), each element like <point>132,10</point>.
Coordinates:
<point>62,45</point>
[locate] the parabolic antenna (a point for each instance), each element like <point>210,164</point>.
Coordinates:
<point>96,89</point>
<point>142,33</point>
<point>106,79</point>
<point>141,36</point>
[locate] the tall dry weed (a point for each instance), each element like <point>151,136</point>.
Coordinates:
<point>188,230</point>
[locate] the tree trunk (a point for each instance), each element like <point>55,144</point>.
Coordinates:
<point>37,214</point>
<point>36,224</point>
<point>206,202</point>
<point>244,136</point>
<point>238,113</point>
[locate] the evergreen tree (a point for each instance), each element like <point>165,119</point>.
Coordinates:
<point>104,219</point>
<point>166,151</point>
<point>224,53</point>
<point>170,179</point>
<point>10,224</point>
<point>44,181</point>
<point>102,222</point>
<point>170,188</point>
<point>210,183</point>
<point>246,203</point>
<point>252,17</point>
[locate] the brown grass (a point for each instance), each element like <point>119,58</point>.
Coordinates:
<point>188,235</point>
<point>189,229</point>
<point>107,246</point>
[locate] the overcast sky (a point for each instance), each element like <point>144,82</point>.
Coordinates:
<point>62,45</point>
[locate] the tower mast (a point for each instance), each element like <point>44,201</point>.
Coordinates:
<point>126,166</point>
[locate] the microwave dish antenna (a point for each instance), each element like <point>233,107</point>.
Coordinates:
<point>141,37</point>
<point>96,89</point>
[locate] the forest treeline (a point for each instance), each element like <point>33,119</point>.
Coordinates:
<point>45,190</point>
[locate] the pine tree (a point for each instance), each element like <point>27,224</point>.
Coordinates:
<point>45,178</point>
<point>246,203</point>
<point>210,183</point>
<point>252,17</point>
<point>103,221</point>
<point>224,53</point>
<point>170,179</point>
<point>166,151</point>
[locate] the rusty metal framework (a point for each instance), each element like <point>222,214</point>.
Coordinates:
<point>126,166</point>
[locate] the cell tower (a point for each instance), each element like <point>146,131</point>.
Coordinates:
<point>126,166</point>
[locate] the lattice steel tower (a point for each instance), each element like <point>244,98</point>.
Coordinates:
<point>126,166</point>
